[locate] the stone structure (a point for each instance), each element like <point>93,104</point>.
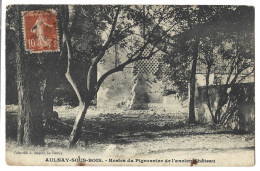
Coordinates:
<point>242,104</point>
<point>147,88</point>
<point>136,87</point>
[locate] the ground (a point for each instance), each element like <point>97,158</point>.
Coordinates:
<point>128,134</point>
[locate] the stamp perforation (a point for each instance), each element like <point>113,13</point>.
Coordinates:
<point>25,34</point>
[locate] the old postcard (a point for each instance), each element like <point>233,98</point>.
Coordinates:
<point>130,85</point>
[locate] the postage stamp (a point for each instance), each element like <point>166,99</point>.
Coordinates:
<point>40,31</point>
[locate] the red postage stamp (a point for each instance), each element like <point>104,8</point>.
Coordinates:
<point>40,31</point>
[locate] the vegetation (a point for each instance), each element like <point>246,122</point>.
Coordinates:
<point>184,35</point>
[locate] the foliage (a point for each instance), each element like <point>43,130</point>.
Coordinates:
<point>229,55</point>
<point>136,30</point>
<point>215,26</point>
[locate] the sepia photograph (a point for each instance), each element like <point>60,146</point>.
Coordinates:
<point>129,85</point>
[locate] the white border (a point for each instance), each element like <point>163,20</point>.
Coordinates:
<point>173,2</point>
<point>255,3</point>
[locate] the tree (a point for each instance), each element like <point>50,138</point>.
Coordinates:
<point>119,23</point>
<point>234,48</point>
<point>196,24</point>
<point>35,75</point>
<point>186,47</point>
<point>228,52</point>
<point>30,131</point>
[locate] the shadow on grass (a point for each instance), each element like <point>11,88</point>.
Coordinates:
<point>120,129</point>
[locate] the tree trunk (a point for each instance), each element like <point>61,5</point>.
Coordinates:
<point>221,102</point>
<point>207,93</point>
<point>48,94</point>
<point>76,130</point>
<point>193,81</point>
<point>33,125</point>
<point>29,119</point>
<point>29,131</point>
<point>21,92</point>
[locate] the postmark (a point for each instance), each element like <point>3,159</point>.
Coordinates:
<point>40,31</point>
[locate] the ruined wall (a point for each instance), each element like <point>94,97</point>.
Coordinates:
<point>242,102</point>
<point>136,84</point>
<point>147,87</point>
<point>117,87</point>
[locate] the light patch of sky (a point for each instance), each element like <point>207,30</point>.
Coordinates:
<point>105,33</point>
<point>71,13</point>
<point>228,45</point>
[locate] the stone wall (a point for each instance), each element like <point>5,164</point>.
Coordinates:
<point>127,89</point>
<point>242,102</point>
<point>115,89</point>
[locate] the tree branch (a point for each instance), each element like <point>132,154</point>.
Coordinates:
<point>103,50</point>
<point>244,77</point>
<point>112,29</point>
<point>122,66</point>
<point>77,9</point>
<point>68,75</point>
<point>66,41</point>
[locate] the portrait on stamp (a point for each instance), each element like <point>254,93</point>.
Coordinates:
<point>40,31</point>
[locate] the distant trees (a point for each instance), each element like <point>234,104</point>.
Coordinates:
<point>234,48</point>
<point>229,54</point>
<point>222,33</point>
<point>184,56</point>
